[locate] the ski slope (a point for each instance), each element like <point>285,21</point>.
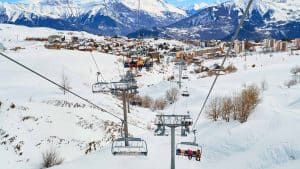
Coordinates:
<point>268,140</point>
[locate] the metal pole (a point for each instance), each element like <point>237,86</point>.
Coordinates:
<point>128,104</point>
<point>172,147</point>
<point>180,73</point>
<point>97,77</point>
<point>125,119</point>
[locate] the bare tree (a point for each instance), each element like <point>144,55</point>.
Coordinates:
<point>226,109</point>
<point>65,83</point>
<point>249,99</point>
<point>213,110</point>
<point>172,95</point>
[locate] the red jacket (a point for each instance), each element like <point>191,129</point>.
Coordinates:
<point>190,152</point>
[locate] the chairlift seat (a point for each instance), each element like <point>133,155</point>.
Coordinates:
<point>185,94</point>
<point>185,77</point>
<point>100,87</point>
<point>137,146</point>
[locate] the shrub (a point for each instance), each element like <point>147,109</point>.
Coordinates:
<point>172,95</point>
<point>230,69</point>
<point>147,101</point>
<point>51,158</point>
<point>290,83</point>
<point>159,104</point>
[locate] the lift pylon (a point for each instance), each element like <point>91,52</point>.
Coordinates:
<point>173,121</point>
<point>126,145</point>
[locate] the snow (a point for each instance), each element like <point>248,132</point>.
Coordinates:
<point>269,139</point>
<point>155,7</point>
<point>64,9</point>
<point>200,5</point>
<point>282,10</point>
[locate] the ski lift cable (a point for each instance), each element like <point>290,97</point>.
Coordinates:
<point>94,60</point>
<point>223,62</point>
<point>60,86</point>
<point>71,92</point>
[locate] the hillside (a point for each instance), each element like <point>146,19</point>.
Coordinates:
<point>44,118</point>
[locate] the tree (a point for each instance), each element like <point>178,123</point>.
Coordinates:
<point>226,109</point>
<point>65,83</point>
<point>172,95</point>
<point>213,110</point>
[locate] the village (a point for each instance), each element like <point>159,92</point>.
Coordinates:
<point>140,53</point>
<point>143,52</point>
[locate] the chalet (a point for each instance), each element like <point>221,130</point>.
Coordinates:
<point>239,46</point>
<point>297,43</point>
<point>269,43</point>
<point>36,39</point>
<point>56,39</point>
<point>207,52</point>
<point>74,39</point>
<point>185,55</point>
<point>281,46</point>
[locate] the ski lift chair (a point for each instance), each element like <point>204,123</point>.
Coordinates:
<point>100,87</point>
<point>185,93</point>
<point>185,76</point>
<point>135,147</point>
<point>184,67</point>
<point>183,147</point>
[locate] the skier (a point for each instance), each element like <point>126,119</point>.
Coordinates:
<point>198,155</point>
<point>190,154</point>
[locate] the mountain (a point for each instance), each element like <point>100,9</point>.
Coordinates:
<point>110,18</point>
<point>195,7</point>
<point>278,19</point>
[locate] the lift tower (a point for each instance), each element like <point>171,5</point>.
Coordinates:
<point>173,121</point>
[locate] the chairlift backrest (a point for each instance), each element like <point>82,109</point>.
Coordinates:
<point>136,146</point>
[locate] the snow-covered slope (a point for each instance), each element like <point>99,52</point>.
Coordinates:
<point>45,118</point>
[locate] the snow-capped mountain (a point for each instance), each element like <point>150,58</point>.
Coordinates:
<point>267,18</point>
<point>104,17</point>
<point>194,8</point>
